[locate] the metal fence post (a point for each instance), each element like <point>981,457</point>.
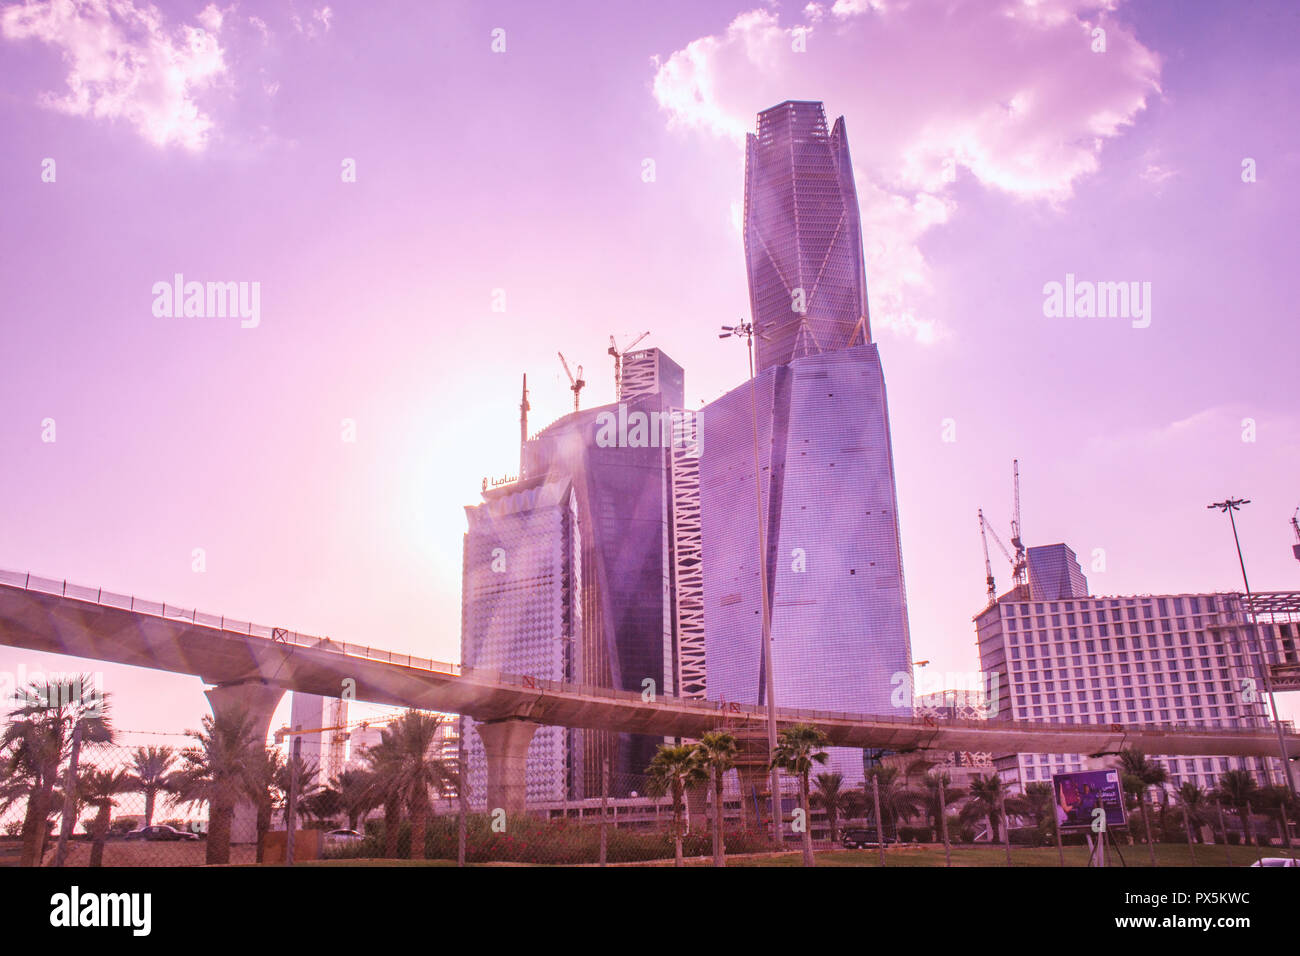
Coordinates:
<point>291,810</point>
<point>604,809</point>
<point>880,821</point>
<point>462,788</point>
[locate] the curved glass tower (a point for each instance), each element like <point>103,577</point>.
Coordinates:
<point>840,638</point>
<point>803,239</point>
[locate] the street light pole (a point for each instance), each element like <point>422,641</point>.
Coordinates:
<point>1231,505</point>
<point>746,329</point>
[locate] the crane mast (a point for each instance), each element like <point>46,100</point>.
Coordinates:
<point>1020,564</point>
<point>576,382</point>
<point>618,354</point>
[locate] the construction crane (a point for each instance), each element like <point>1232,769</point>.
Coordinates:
<point>576,383</point>
<point>988,566</point>
<point>1020,564</point>
<point>1295,524</point>
<point>987,529</point>
<point>618,354</point>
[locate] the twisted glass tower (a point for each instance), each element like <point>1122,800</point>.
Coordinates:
<point>803,240</point>
<point>834,567</point>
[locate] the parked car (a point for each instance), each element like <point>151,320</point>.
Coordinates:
<point>343,836</point>
<point>858,837</point>
<point>161,832</point>
<point>1276,861</point>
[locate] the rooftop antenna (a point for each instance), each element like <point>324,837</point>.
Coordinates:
<point>1295,523</point>
<point>523,423</point>
<point>576,382</point>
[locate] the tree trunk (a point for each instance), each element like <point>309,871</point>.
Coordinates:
<point>392,816</point>
<point>419,824</point>
<point>149,797</point>
<point>219,819</point>
<point>678,798</point>
<point>1146,825</point>
<point>263,826</point>
<point>719,851</point>
<point>808,858</point>
<point>1187,821</point>
<point>1244,813</point>
<point>100,835</point>
<point>33,829</point>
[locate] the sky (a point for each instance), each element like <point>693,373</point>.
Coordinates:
<point>434,198</point>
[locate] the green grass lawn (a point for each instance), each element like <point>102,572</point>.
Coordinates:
<point>1167,854</point>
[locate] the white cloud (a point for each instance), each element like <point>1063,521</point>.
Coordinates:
<point>1007,90</point>
<point>124,63</point>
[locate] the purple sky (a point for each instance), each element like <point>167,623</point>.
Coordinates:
<point>210,140</point>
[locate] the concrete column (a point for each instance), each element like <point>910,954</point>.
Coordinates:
<point>259,701</point>
<point>505,745</point>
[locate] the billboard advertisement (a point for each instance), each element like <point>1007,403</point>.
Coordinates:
<point>1079,796</point>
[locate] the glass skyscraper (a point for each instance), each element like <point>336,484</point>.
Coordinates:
<point>834,559</point>
<point>803,238</point>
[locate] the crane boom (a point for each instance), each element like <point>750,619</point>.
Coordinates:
<point>988,566</point>
<point>618,354</point>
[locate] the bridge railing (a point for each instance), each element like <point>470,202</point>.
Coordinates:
<point>751,712</point>
<point>128,602</point>
<point>32,582</point>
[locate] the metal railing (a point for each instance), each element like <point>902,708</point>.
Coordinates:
<point>127,602</point>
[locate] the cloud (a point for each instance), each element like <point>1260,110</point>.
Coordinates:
<point>124,63</point>
<point>1008,92</point>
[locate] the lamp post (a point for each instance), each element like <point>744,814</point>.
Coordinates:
<point>1231,505</point>
<point>746,330</point>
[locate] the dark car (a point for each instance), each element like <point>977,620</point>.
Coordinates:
<point>161,831</point>
<point>857,837</point>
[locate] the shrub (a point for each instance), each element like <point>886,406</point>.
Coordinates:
<point>530,840</point>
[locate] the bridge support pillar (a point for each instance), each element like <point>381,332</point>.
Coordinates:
<point>505,745</point>
<point>258,701</point>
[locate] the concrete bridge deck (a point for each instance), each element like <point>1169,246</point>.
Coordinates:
<point>252,666</point>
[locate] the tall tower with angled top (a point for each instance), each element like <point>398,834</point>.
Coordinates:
<point>803,238</point>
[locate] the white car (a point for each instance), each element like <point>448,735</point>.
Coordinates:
<point>343,836</point>
<point>1276,861</point>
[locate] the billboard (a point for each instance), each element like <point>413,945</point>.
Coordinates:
<point>1078,797</point>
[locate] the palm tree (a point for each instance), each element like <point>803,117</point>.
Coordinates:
<point>898,801</point>
<point>1194,812</point>
<point>354,800</point>
<point>985,795</point>
<point>49,725</point>
<point>151,769</point>
<point>716,752</point>
<point>832,797</point>
<point>934,807</point>
<point>797,749</point>
<point>98,788</point>
<point>382,791</point>
<point>1236,789</point>
<point>264,765</point>
<point>219,769</point>
<point>1140,774</point>
<point>417,769</point>
<point>671,771</point>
